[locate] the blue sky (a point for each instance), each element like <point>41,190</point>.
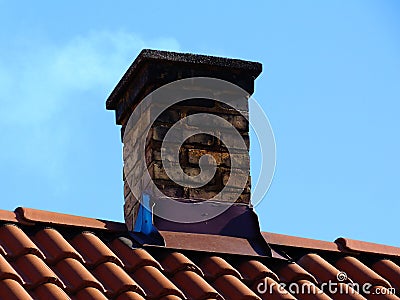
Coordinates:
<point>330,87</point>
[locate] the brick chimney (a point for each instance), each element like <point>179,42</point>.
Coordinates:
<point>154,69</point>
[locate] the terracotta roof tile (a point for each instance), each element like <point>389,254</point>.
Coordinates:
<point>93,250</point>
<point>47,255</point>
<point>7,271</point>
<point>16,243</point>
<point>129,296</point>
<point>49,291</point>
<point>292,272</point>
<point>171,297</point>
<point>2,251</point>
<point>115,279</point>
<point>90,293</point>
<point>232,288</point>
<point>133,258</point>
<point>54,246</point>
<point>253,270</point>
<point>215,266</point>
<point>75,276</point>
<point>194,286</point>
<point>388,269</point>
<point>10,289</point>
<point>154,283</point>
<point>34,271</point>
<point>175,262</point>
<point>358,272</point>
<point>322,270</point>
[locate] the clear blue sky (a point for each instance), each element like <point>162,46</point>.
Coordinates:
<point>330,87</point>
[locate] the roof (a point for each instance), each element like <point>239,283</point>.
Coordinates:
<point>45,255</point>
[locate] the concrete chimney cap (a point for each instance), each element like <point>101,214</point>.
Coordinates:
<point>250,68</point>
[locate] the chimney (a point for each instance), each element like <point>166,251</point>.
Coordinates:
<point>201,134</point>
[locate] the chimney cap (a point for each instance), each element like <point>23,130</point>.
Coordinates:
<point>252,69</point>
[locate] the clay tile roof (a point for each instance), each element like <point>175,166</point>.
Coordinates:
<point>389,270</point>
<point>45,255</point>
<point>322,270</point>
<point>9,216</point>
<point>175,262</point>
<point>360,246</point>
<point>253,270</point>
<point>50,291</point>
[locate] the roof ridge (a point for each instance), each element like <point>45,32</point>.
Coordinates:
<point>341,244</point>
<point>368,247</point>
<point>31,216</point>
<point>300,242</point>
<point>9,216</point>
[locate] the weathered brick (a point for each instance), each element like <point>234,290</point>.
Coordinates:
<point>167,156</point>
<point>240,161</point>
<point>244,198</point>
<point>237,104</point>
<point>159,132</point>
<point>234,197</point>
<point>235,140</point>
<point>221,158</point>
<point>194,156</point>
<point>137,189</point>
<point>129,220</point>
<point>211,120</point>
<point>239,122</point>
<point>151,155</point>
<point>135,173</point>
<point>156,154</point>
<point>237,180</point>
<point>131,136</point>
<point>169,116</point>
<point>201,194</point>
<point>225,159</point>
<point>201,139</point>
<point>173,191</point>
<point>149,137</point>
<point>130,215</point>
<point>132,157</point>
<point>168,188</point>
<point>192,171</point>
<point>130,202</point>
<point>127,189</point>
<point>158,171</point>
